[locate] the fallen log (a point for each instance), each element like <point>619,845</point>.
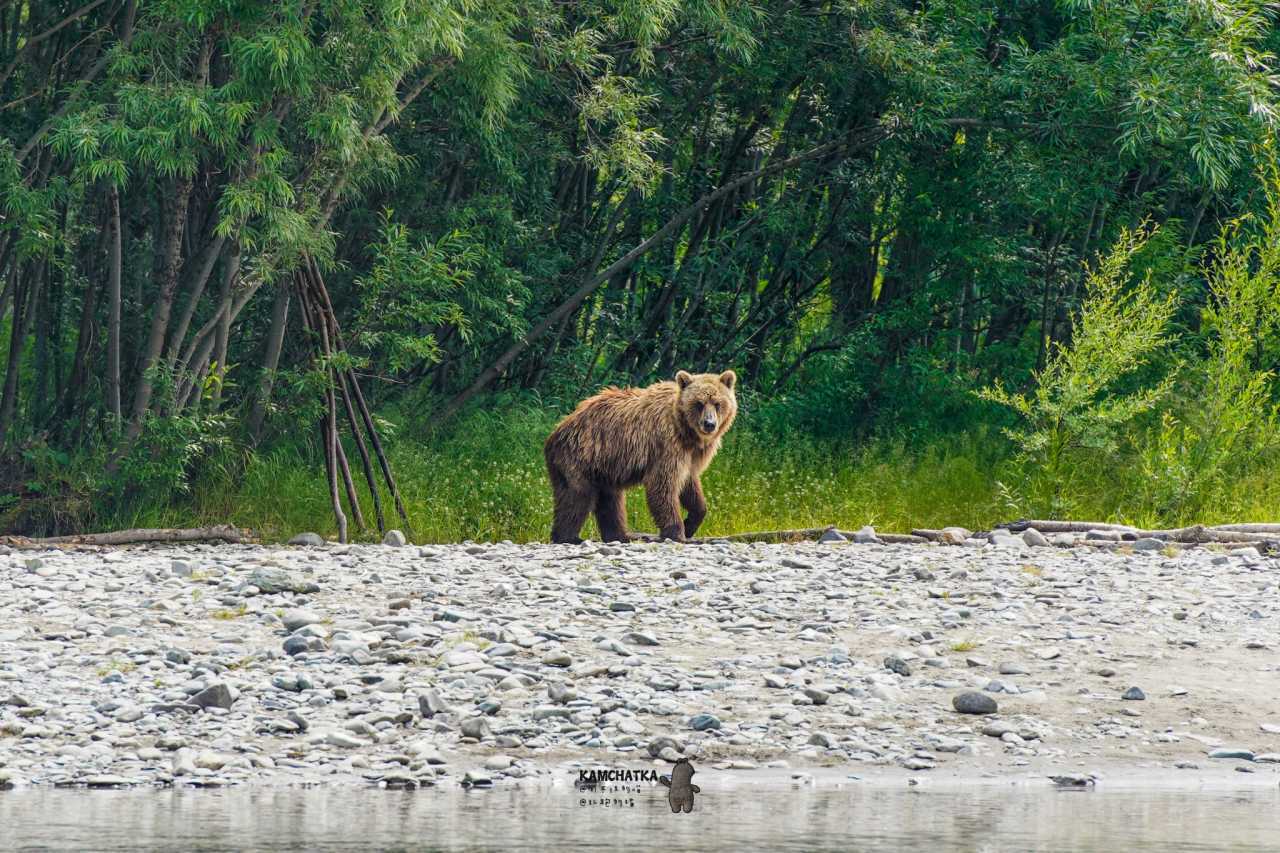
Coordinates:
<point>895,538</point>
<point>1200,533</point>
<point>1048,526</point>
<point>216,533</point>
<point>1248,528</point>
<point>803,534</point>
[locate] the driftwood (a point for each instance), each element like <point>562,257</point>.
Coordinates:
<point>1065,526</point>
<point>1249,528</point>
<point>1200,533</point>
<point>803,534</point>
<point>1226,534</point>
<point>219,533</point>
<point>928,534</point>
<point>898,538</point>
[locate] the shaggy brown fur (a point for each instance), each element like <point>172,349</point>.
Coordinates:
<point>662,437</point>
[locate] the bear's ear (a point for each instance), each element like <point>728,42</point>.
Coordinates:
<point>683,378</point>
<point>729,379</point>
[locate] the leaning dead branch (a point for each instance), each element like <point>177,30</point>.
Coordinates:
<point>342,393</point>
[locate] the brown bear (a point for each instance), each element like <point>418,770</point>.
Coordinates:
<point>663,437</point>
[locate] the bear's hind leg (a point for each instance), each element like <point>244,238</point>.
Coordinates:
<point>572,506</point>
<point>611,515</point>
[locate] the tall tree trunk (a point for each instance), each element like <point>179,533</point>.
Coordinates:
<point>204,269</point>
<point>230,270</point>
<point>24,309</point>
<point>10,391</point>
<point>75,394</point>
<point>163,309</point>
<point>46,318</point>
<point>113,309</point>
<point>270,361</point>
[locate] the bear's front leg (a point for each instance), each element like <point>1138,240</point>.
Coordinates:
<point>611,515</point>
<point>695,503</point>
<point>664,506</point>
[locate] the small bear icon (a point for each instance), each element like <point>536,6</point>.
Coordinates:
<point>682,788</point>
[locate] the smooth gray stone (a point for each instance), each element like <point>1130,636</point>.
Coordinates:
<point>217,695</point>
<point>973,702</point>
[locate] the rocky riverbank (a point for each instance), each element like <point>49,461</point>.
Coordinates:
<point>477,664</point>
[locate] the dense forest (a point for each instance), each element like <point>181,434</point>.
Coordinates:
<point>971,260</point>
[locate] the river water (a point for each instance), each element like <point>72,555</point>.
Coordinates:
<point>782,817</point>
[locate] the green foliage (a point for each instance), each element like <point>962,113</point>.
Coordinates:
<point>953,166</point>
<point>1227,426</point>
<point>409,293</point>
<point>1079,404</point>
<point>485,480</point>
<point>165,463</point>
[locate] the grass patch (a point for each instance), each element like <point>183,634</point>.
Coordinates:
<point>485,480</point>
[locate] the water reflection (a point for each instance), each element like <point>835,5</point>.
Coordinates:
<point>750,818</point>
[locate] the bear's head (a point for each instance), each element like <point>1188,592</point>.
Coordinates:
<point>706,403</point>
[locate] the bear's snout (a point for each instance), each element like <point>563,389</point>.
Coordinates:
<point>709,419</point>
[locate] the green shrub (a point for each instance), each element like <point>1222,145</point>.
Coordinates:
<point>1227,426</point>
<point>1080,406</point>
